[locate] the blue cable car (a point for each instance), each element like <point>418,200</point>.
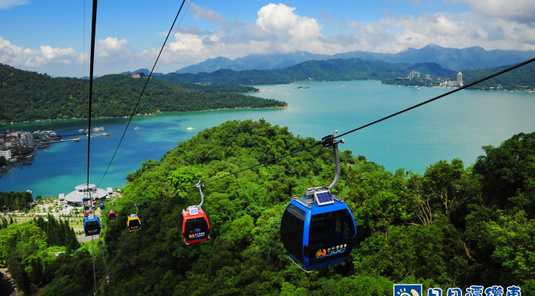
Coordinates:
<point>91,225</point>
<point>319,230</point>
<point>102,206</point>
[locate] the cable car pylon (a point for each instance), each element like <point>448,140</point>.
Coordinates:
<point>318,229</point>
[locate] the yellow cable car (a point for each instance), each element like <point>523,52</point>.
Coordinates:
<point>133,223</point>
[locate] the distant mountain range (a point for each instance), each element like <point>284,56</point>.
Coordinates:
<point>475,63</point>
<point>471,58</point>
<point>314,70</point>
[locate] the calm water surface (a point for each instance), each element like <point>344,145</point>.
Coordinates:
<point>456,126</point>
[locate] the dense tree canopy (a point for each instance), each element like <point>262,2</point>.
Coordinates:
<point>450,227</point>
<point>34,251</point>
<point>28,95</point>
<point>519,79</point>
<point>14,200</point>
<point>441,229</point>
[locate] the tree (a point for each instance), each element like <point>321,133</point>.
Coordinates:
<point>508,169</point>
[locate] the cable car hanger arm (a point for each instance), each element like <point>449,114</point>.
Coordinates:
<point>198,185</point>
<point>330,140</point>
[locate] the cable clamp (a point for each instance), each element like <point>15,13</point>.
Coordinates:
<point>329,141</point>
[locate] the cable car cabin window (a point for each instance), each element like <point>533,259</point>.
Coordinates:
<point>92,227</point>
<point>196,229</point>
<point>292,228</point>
<point>133,224</point>
<point>330,236</point>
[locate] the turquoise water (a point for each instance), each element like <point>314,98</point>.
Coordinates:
<point>456,126</point>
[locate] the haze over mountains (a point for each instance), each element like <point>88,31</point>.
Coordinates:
<point>449,58</point>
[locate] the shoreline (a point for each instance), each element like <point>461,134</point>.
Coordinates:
<point>37,121</point>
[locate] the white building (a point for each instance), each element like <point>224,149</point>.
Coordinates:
<point>460,79</point>
<point>83,192</point>
<point>6,154</point>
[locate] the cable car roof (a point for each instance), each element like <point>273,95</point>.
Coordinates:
<point>307,204</point>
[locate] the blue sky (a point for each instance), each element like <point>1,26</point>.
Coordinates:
<point>53,36</point>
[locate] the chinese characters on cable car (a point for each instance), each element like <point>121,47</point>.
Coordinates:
<point>197,235</point>
<point>339,249</point>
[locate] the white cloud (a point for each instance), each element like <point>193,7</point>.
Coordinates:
<point>61,55</point>
<point>46,57</point>
<point>283,22</point>
<point>111,47</point>
<point>279,29</point>
<point>6,4</point>
<point>513,10</point>
<point>188,43</point>
<point>458,31</point>
<point>206,13</point>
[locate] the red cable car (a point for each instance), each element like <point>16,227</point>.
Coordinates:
<point>195,224</point>
<point>112,215</point>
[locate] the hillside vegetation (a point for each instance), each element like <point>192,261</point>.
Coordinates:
<point>26,95</point>
<point>31,96</point>
<point>519,79</point>
<point>450,227</point>
<point>330,70</point>
<point>357,69</point>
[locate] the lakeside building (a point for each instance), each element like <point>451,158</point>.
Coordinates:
<point>6,154</point>
<point>29,139</point>
<point>84,192</point>
<point>451,84</point>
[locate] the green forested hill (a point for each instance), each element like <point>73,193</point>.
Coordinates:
<point>450,227</point>
<point>26,95</point>
<point>520,79</point>
<point>329,70</point>
<point>355,69</point>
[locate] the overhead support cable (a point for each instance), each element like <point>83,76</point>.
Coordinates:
<point>373,122</point>
<point>440,96</point>
<point>143,91</point>
<point>91,71</point>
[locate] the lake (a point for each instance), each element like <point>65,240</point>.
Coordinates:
<point>456,126</point>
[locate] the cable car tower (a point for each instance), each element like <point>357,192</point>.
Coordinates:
<point>319,229</point>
